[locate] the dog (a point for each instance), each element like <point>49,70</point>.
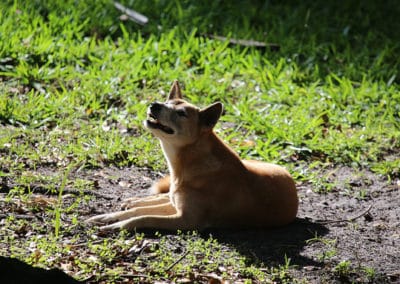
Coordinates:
<point>209,186</point>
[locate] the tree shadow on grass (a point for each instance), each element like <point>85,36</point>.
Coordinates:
<point>272,246</point>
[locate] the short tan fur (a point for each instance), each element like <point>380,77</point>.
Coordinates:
<point>209,185</point>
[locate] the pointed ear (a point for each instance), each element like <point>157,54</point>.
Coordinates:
<point>175,92</point>
<point>210,115</point>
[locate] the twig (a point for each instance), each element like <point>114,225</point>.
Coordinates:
<point>134,275</point>
<point>87,192</point>
<point>132,14</point>
<point>86,243</point>
<point>177,261</point>
<point>346,220</point>
<point>120,276</point>
<point>37,188</point>
<point>246,43</point>
<point>18,216</point>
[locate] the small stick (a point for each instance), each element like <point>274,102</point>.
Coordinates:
<point>177,261</point>
<point>246,43</point>
<point>86,243</point>
<point>18,216</point>
<point>346,220</point>
<point>132,14</point>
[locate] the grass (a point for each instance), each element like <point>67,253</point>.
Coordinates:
<point>76,79</point>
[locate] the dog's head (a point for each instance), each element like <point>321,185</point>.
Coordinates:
<point>179,122</point>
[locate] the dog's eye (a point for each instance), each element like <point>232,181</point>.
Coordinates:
<point>181,112</point>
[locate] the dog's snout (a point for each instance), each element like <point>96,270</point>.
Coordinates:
<point>155,107</point>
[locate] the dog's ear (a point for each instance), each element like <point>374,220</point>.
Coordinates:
<point>175,92</point>
<point>210,115</point>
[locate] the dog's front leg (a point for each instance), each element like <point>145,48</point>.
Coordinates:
<point>146,201</point>
<point>160,209</point>
<point>172,222</point>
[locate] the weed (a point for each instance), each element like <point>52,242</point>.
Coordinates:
<point>370,273</point>
<point>329,250</point>
<point>343,268</point>
<point>58,208</point>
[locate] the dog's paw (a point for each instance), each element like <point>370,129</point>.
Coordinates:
<point>103,219</point>
<point>125,224</point>
<point>109,228</point>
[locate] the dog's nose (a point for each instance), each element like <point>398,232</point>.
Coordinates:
<point>155,107</point>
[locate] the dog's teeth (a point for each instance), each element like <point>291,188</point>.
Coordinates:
<point>152,119</point>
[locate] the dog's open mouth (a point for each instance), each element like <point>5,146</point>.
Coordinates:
<point>153,122</point>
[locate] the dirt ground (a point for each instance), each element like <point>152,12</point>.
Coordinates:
<point>331,228</point>
<point>364,230</point>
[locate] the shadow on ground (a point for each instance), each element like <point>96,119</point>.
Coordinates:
<point>272,246</point>
<point>15,271</point>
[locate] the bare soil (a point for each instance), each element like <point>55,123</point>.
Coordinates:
<point>357,222</point>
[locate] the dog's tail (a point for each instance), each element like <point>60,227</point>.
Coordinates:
<point>161,186</point>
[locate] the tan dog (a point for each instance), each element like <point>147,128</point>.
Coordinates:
<point>209,186</point>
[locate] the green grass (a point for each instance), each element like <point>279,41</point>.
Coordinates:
<point>67,82</point>
<point>75,82</point>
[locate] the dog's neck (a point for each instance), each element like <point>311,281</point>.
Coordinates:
<point>170,153</point>
<point>208,154</point>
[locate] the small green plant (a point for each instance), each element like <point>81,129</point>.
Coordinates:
<point>343,268</point>
<point>58,208</point>
<point>370,273</point>
<point>281,273</point>
<point>330,247</point>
